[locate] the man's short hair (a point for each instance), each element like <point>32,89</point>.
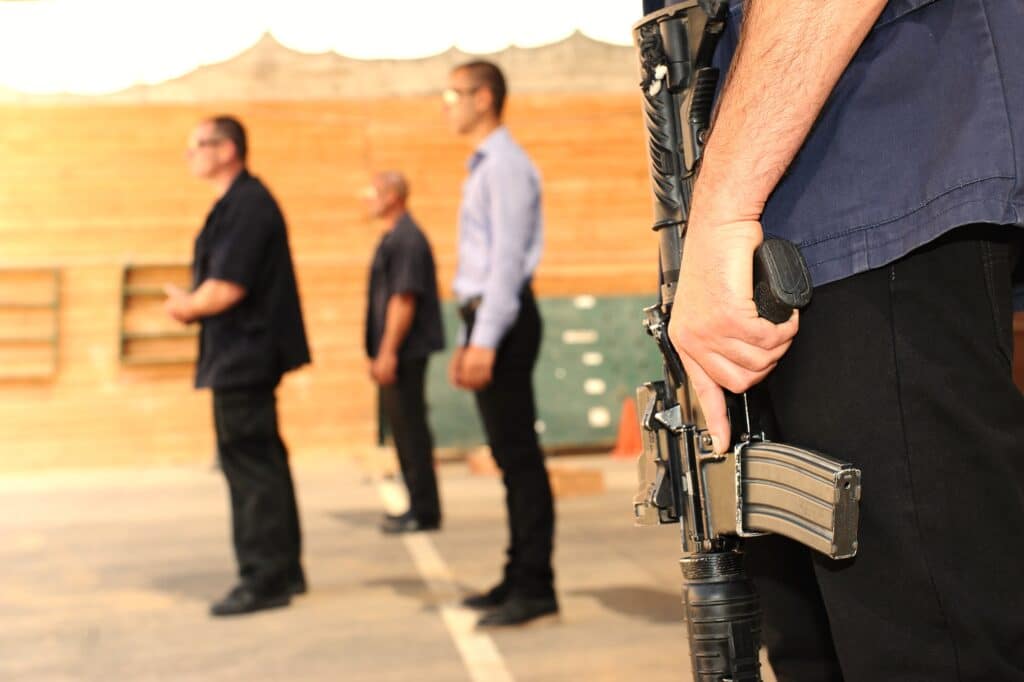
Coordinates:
<point>396,182</point>
<point>488,75</point>
<point>230,128</point>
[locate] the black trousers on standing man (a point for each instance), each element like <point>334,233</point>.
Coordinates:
<point>264,513</point>
<point>406,412</point>
<point>905,371</point>
<point>509,414</point>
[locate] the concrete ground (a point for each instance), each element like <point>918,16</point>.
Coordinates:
<point>107,575</point>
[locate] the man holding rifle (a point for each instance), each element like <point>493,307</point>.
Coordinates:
<point>887,141</point>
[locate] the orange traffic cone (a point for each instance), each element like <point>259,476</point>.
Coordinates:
<point>627,442</point>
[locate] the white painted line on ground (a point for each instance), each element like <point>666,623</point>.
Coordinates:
<point>479,654</point>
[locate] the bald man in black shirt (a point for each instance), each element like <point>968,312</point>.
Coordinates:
<point>247,303</point>
<point>403,327</point>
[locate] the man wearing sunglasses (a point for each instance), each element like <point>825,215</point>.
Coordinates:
<point>500,244</point>
<point>251,332</point>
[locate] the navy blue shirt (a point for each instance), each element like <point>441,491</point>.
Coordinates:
<point>924,132</point>
<point>404,264</point>
<point>254,342</point>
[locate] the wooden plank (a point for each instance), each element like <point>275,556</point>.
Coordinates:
<point>92,188</point>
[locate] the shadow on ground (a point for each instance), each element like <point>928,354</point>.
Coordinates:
<point>358,518</point>
<point>413,587</point>
<point>204,586</point>
<point>641,603</point>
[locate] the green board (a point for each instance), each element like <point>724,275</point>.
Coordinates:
<point>594,354</point>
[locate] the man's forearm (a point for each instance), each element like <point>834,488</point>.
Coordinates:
<point>213,297</point>
<point>790,56</point>
<point>493,320</point>
<point>397,321</point>
<point>500,305</point>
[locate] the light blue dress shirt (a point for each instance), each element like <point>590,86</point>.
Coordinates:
<point>500,235</point>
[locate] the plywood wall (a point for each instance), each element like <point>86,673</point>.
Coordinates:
<point>91,188</point>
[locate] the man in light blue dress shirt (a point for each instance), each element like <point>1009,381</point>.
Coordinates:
<point>500,243</point>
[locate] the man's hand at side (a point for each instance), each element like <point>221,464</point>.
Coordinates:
<point>399,316</point>
<point>475,367</point>
<point>384,368</point>
<point>454,367</point>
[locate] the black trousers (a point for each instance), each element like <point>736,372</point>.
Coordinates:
<point>906,372</point>
<point>406,412</point>
<point>264,513</point>
<point>508,411</point>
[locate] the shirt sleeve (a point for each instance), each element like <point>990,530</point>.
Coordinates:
<point>513,209</point>
<point>240,252</point>
<point>407,267</point>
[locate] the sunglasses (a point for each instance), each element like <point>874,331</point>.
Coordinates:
<point>451,95</point>
<point>207,142</point>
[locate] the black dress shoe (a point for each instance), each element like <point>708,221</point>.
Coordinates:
<point>243,599</point>
<point>520,611</point>
<point>491,599</point>
<point>405,523</point>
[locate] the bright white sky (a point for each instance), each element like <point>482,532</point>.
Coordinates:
<point>101,46</point>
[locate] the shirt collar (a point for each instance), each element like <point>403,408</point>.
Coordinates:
<point>496,139</point>
<point>242,176</point>
<point>400,222</point>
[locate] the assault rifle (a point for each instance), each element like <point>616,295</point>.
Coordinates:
<point>757,486</point>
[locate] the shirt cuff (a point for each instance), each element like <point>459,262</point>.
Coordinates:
<point>486,335</point>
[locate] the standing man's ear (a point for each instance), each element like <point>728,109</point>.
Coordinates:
<point>230,152</point>
<point>486,98</point>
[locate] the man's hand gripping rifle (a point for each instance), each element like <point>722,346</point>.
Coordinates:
<point>756,486</point>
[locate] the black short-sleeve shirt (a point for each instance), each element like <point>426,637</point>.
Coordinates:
<point>404,264</point>
<point>245,241</point>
